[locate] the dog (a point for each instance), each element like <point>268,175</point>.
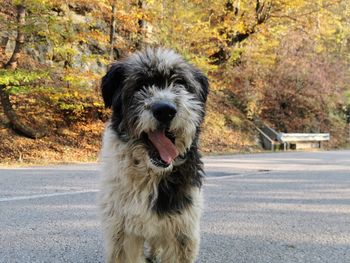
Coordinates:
<point>150,198</point>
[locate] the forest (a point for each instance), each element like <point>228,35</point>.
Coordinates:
<point>283,62</point>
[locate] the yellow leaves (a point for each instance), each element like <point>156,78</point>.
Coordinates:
<point>241,27</point>
<point>20,77</point>
<point>64,52</point>
<point>215,120</point>
<point>253,108</point>
<point>97,35</point>
<point>139,16</point>
<point>80,79</point>
<point>295,4</point>
<point>30,2</point>
<point>98,104</point>
<point>127,20</point>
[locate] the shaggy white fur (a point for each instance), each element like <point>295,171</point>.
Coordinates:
<point>127,218</point>
<point>150,198</point>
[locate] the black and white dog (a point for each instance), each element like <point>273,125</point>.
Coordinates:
<point>152,173</point>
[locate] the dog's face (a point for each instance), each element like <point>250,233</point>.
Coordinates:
<point>158,102</point>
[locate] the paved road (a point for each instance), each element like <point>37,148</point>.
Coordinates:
<point>260,208</point>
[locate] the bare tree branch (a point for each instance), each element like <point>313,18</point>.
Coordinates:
<point>262,14</point>
<point>262,11</point>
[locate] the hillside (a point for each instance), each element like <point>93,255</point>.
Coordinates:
<point>259,62</point>
<point>225,130</point>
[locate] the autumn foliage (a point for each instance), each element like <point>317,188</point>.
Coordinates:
<point>285,62</point>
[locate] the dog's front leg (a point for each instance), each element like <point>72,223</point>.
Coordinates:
<point>122,248</point>
<point>126,249</point>
<point>134,249</point>
<point>182,249</point>
<point>114,236</point>
<point>114,252</point>
<point>114,241</point>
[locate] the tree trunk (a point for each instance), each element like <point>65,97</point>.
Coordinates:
<point>112,31</point>
<point>21,14</point>
<point>3,44</point>
<point>141,24</point>
<point>12,65</point>
<point>12,116</point>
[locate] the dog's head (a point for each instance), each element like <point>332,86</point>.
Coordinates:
<point>158,103</point>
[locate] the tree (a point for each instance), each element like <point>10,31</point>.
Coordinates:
<point>238,25</point>
<point>112,30</point>
<point>249,48</point>
<point>12,64</point>
<point>140,23</point>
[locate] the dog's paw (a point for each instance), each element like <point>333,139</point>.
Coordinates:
<point>151,260</point>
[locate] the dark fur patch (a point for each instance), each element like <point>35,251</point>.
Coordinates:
<point>174,190</point>
<point>203,81</point>
<point>111,85</point>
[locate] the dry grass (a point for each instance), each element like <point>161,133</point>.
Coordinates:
<point>224,130</point>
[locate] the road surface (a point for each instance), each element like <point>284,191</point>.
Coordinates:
<point>259,208</point>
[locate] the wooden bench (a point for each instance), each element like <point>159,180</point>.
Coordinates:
<point>299,141</point>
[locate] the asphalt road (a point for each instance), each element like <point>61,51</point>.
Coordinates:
<point>259,208</point>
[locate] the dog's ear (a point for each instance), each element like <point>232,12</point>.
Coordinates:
<point>112,82</point>
<point>204,83</point>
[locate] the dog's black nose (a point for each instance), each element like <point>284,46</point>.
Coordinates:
<point>164,111</point>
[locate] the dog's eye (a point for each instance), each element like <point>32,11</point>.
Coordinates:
<point>180,82</point>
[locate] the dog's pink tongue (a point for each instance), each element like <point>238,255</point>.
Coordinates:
<point>164,146</point>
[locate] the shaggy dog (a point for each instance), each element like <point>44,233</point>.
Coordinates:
<point>152,174</point>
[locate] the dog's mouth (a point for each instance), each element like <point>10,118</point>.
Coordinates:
<point>161,147</point>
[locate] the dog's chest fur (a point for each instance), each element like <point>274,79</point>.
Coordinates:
<point>142,196</point>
